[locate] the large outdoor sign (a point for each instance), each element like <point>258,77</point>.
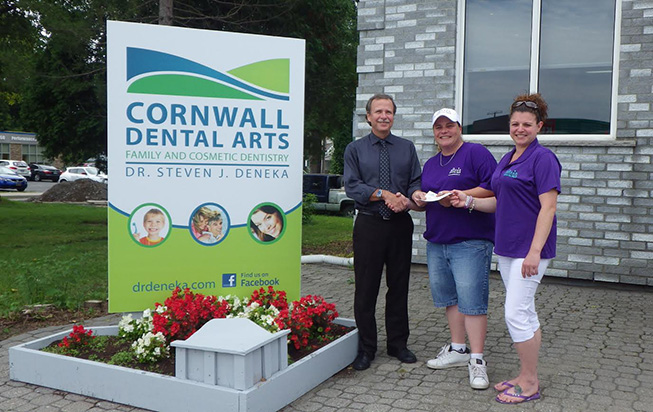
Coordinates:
<point>205,134</point>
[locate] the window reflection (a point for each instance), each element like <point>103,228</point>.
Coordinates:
<point>576,64</point>
<point>575,72</point>
<point>497,60</point>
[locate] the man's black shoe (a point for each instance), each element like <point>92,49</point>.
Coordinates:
<point>362,361</point>
<point>404,355</point>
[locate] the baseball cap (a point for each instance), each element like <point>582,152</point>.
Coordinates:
<point>448,113</point>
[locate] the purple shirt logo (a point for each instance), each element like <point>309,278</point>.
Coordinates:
<point>511,173</point>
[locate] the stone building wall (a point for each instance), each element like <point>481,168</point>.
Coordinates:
<point>605,211</point>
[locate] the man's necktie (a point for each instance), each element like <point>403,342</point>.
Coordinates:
<point>384,177</point>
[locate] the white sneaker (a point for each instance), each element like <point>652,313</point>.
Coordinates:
<point>478,374</point>
<point>449,358</point>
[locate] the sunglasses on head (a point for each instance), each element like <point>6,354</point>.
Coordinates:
<point>527,103</point>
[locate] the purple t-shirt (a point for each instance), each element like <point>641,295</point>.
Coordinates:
<point>471,166</point>
<point>517,187</point>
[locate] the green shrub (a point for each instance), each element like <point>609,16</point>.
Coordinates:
<point>308,207</point>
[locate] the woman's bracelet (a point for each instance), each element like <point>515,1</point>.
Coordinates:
<point>468,201</point>
<point>471,206</point>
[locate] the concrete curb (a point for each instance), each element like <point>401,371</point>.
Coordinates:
<point>333,260</point>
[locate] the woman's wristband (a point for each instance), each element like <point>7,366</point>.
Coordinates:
<point>469,203</point>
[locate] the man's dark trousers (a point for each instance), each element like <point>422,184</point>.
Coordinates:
<point>378,242</point>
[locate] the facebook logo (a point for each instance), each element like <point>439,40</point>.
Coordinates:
<point>228,280</point>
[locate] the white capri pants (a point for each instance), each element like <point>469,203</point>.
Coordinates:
<point>520,314</point>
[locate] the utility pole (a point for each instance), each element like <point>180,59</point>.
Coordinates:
<point>165,12</point>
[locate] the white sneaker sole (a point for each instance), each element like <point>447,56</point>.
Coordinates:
<point>447,366</point>
<point>480,386</point>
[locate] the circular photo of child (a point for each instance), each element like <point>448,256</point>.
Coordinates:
<point>209,224</point>
<point>267,223</point>
<point>149,224</point>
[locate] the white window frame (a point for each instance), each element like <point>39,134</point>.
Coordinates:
<point>571,139</point>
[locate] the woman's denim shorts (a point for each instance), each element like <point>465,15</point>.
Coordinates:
<point>459,275</point>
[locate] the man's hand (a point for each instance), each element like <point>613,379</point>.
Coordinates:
<point>397,203</point>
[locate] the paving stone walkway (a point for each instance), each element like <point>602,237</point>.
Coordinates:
<point>597,355</point>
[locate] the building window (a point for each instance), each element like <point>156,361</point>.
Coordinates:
<point>32,153</point>
<point>4,151</point>
<point>562,49</point>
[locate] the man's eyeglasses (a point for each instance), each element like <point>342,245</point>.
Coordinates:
<point>527,103</point>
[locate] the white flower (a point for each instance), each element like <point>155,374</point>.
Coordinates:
<point>150,347</point>
<point>125,321</point>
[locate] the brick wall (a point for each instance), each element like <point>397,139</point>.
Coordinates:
<point>605,217</point>
<point>15,152</point>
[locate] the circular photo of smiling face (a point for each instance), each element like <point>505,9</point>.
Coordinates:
<point>267,223</point>
<point>209,224</point>
<point>149,225</point>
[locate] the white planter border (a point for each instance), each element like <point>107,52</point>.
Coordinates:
<point>27,363</point>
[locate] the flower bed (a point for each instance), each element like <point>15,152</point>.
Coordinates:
<point>145,341</point>
<point>309,322</point>
<point>27,363</point>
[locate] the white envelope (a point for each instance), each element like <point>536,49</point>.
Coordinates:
<point>433,197</point>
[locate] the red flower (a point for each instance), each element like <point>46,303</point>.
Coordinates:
<point>308,319</point>
<point>270,298</point>
<point>77,338</point>
<point>186,312</point>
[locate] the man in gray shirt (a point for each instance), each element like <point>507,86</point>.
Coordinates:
<point>381,173</point>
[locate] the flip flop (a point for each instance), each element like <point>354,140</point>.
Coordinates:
<point>505,385</point>
<point>519,398</point>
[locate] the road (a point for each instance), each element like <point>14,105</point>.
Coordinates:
<point>39,187</point>
<point>33,188</point>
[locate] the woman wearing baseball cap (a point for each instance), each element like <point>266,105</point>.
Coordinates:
<point>460,242</point>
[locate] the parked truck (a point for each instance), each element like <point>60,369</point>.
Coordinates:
<point>330,193</point>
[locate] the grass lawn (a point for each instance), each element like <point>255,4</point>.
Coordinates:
<point>328,235</point>
<point>51,253</point>
<point>57,253</point>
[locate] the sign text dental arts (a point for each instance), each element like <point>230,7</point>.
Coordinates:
<point>255,131</point>
<point>205,149</point>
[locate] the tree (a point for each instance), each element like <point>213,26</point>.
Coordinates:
<point>17,40</point>
<point>64,101</point>
<point>165,12</point>
<point>329,28</point>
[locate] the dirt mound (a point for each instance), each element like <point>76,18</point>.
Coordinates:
<point>78,191</point>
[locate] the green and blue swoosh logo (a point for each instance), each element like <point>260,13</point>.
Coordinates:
<point>153,72</point>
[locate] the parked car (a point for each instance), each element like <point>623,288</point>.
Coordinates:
<point>9,179</point>
<point>18,166</point>
<point>44,172</point>
<point>100,163</point>
<point>78,172</point>
<point>330,193</point>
